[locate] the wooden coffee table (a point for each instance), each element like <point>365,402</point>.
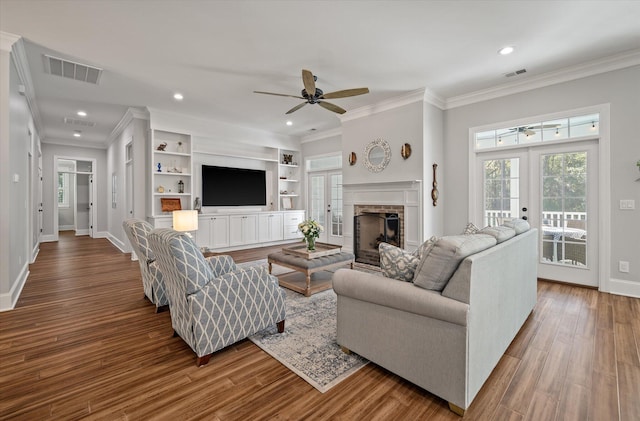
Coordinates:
<point>308,266</point>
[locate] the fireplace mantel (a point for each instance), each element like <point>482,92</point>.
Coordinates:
<point>401,193</point>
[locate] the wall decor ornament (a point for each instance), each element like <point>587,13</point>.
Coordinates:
<point>434,191</point>
<point>162,146</point>
<point>377,155</point>
<point>405,151</point>
<point>352,158</point>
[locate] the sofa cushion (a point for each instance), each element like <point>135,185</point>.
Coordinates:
<point>436,267</point>
<point>518,224</point>
<point>399,264</point>
<point>500,233</point>
<point>470,229</point>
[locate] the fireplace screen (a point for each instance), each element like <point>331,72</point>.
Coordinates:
<point>371,229</point>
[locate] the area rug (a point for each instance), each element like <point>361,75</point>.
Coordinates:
<point>308,345</point>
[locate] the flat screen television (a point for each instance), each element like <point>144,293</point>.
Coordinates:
<point>224,186</point>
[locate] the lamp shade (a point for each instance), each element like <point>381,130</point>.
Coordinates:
<point>185,220</point>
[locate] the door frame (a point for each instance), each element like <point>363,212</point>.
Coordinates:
<point>604,177</point>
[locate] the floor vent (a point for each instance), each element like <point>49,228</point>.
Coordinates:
<point>78,122</point>
<point>72,70</point>
<point>517,72</point>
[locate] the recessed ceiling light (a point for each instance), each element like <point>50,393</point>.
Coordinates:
<point>289,123</point>
<point>82,113</point>
<point>77,133</point>
<point>178,96</point>
<point>505,50</point>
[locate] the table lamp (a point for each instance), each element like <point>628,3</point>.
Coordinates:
<point>185,221</point>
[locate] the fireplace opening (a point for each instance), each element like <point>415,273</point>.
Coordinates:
<point>371,229</point>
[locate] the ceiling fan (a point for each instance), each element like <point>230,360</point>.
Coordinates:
<point>313,95</point>
<point>529,130</point>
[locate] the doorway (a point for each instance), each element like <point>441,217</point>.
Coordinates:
<point>325,204</point>
<point>74,208</point>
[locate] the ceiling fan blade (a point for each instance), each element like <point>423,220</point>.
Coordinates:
<point>346,93</point>
<point>309,82</point>
<point>332,107</point>
<point>271,93</point>
<point>529,132</point>
<point>296,108</point>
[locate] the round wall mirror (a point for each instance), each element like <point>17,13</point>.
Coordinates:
<point>377,155</point>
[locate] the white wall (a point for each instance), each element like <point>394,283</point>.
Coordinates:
<point>619,88</point>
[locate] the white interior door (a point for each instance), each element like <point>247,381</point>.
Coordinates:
<point>325,204</point>
<point>554,187</point>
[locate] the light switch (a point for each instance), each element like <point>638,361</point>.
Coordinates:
<point>627,204</point>
<point>16,178</point>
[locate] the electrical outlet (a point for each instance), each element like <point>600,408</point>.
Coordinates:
<point>623,266</point>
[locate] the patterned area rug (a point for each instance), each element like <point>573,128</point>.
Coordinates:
<point>308,345</point>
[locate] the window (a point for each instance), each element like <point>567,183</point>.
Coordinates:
<point>63,190</point>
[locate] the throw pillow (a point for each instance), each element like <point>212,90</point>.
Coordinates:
<point>397,263</point>
<point>437,267</point>
<point>470,229</point>
<point>500,233</point>
<point>519,225</point>
<point>425,247</point>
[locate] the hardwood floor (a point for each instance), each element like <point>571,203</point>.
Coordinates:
<point>84,344</point>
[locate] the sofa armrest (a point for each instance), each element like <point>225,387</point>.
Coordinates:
<point>221,265</point>
<point>399,295</point>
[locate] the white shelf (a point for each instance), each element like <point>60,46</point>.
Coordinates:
<point>289,180</point>
<point>289,165</point>
<point>173,153</point>
<point>255,158</point>
<point>170,158</point>
<point>288,195</point>
<point>171,194</point>
<point>183,174</point>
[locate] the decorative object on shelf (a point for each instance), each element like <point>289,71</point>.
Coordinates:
<point>162,146</point>
<point>159,167</point>
<point>170,204</point>
<point>434,191</point>
<point>287,203</point>
<point>352,158</point>
<point>287,159</point>
<point>185,221</point>
<point>310,230</point>
<point>197,205</point>
<point>180,186</point>
<point>180,149</point>
<point>160,189</point>
<point>377,155</point>
<point>405,151</point>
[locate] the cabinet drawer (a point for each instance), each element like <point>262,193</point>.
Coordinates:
<point>291,231</point>
<point>293,219</point>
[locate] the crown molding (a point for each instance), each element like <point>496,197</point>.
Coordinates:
<point>7,40</point>
<point>322,135</point>
<point>127,118</point>
<point>73,143</point>
<point>607,64</point>
<point>24,73</point>
<point>421,94</point>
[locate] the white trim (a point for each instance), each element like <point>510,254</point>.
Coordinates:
<point>127,118</point>
<point>391,103</point>
<point>73,142</point>
<point>9,299</point>
<point>114,240</point>
<point>48,238</point>
<point>322,135</point>
<point>607,64</point>
<point>7,40</point>
<point>35,252</point>
<point>24,73</point>
<point>83,232</point>
<point>604,178</point>
<point>624,287</point>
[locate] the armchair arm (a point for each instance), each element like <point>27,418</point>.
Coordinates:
<point>221,265</point>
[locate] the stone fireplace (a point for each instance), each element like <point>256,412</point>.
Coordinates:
<point>375,224</point>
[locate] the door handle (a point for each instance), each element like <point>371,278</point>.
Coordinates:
<point>525,218</point>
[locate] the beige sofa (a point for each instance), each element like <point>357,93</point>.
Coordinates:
<point>446,342</point>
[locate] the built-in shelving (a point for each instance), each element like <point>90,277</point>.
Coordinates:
<point>289,186</point>
<point>170,165</point>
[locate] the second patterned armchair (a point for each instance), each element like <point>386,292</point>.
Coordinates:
<point>137,231</point>
<point>214,303</point>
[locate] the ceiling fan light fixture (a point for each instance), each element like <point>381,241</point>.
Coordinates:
<point>506,50</point>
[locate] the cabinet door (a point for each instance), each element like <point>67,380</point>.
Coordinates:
<point>203,235</point>
<point>219,231</point>
<point>250,229</point>
<point>270,227</point>
<point>235,230</point>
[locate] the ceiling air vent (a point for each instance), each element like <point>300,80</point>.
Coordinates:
<point>517,72</point>
<point>72,70</point>
<point>78,122</point>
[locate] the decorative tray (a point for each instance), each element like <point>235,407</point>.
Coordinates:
<point>322,249</point>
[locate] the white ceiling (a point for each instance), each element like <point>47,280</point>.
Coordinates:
<point>217,52</point>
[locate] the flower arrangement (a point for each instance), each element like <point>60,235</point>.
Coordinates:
<point>311,230</point>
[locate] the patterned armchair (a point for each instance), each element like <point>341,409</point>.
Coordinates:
<point>137,231</point>
<point>214,303</point>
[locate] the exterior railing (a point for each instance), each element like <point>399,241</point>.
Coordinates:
<point>554,219</point>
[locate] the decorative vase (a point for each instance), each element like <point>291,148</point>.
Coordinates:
<point>311,243</point>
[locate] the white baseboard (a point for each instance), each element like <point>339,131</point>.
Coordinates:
<point>83,232</point>
<point>48,238</point>
<point>101,234</point>
<point>119,244</point>
<point>66,228</point>
<point>35,252</point>
<point>9,299</point>
<point>623,287</point>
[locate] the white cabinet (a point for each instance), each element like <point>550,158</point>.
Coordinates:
<point>270,227</point>
<point>290,223</point>
<point>170,172</point>
<point>213,231</point>
<point>243,229</point>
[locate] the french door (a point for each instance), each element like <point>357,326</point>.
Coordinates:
<point>325,204</point>
<point>554,187</point>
